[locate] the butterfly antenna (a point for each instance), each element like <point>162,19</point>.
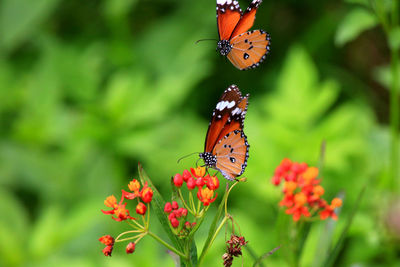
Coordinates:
<point>205,40</point>
<point>186,156</point>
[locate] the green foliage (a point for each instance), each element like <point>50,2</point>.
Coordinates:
<point>89,88</point>
<point>353,24</point>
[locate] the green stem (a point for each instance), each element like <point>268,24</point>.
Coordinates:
<point>214,236</point>
<point>394,102</point>
<point>184,202</point>
<point>177,252</point>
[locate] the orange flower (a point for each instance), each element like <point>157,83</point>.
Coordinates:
<point>205,195</point>
<point>302,190</point>
<point>289,187</point>
<point>110,201</point>
<point>300,199</point>
<point>198,172</point>
<point>134,186</point>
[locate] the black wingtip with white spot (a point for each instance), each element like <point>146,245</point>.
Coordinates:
<point>253,4</point>
<point>268,38</point>
<point>224,5</point>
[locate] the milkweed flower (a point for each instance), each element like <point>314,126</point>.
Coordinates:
<point>205,195</point>
<point>119,212</point>
<point>302,191</point>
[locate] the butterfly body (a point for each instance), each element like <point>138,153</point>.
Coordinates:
<point>226,147</point>
<point>245,49</point>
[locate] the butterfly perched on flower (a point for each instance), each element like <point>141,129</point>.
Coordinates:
<point>226,147</point>
<point>245,49</point>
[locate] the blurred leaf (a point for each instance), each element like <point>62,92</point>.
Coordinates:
<point>20,19</point>
<point>383,75</point>
<point>394,38</point>
<point>354,23</point>
<point>334,251</point>
<point>13,230</point>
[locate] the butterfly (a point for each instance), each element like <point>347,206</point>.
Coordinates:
<point>245,49</point>
<point>226,148</point>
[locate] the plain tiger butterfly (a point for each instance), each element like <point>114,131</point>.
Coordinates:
<point>245,49</point>
<point>226,148</point>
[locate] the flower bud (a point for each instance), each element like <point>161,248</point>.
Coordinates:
<point>130,248</point>
<point>175,205</point>
<point>191,183</point>
<point>167,207</point>
<point>141,208</point>
<point>174,222</point>
<point>108,250</point>
<point>200,182</point>
<point>186,175</point>
<point>178,180</point>
<point>147,194</point>
<point>107,240</point>
<point>171,216</point>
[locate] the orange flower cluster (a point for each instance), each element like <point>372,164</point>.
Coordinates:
<point>119,210</point>
<point>197,178</point>
<point>302,192</point>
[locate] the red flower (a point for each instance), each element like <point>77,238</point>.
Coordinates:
<point>212,182</point>
<point>302,190</point>
<point>108,250</point>
<point>107,240</point>
<point>130,248</point>
<point>120,212</point>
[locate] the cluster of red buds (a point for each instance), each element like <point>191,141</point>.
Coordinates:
<point>197,178</point>
<point>119,212</point>
<point>302,191</point>
<point>178,217</point>
<point>233,248</point>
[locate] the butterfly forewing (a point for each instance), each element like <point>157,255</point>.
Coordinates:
<point>228,16</point>
<point>232,152</point>
<point>247,20</point>
<point>249,49</point>
<point>228,116</point>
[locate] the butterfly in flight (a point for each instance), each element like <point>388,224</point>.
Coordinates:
<point>245,49</point>
<point>226,148</point>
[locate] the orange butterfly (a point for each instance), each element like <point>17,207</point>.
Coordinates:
<point>245,49</point>
<point>226,148</point>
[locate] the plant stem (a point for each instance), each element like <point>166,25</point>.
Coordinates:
<point>394,104</point>
<point>177,252</point>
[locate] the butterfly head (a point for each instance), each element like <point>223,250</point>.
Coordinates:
<point>224,47</point>
<point>209,159</point>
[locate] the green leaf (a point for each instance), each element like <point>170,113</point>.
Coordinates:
<point>333,253</point>
<point>394,38</point>
<point>355,22</point>
<point>157,205</point>
<point>19,19</point>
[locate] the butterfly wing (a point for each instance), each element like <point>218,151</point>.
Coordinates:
<point>247,20</point>
<point>228,116</point>
<point>249,49</point>
<point>232,152</point>
<point>228,16</point>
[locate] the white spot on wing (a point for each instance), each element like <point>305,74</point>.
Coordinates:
<point>236,111</point>
<point>231,104</point>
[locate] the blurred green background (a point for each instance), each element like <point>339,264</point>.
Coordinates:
<point>89,88</point>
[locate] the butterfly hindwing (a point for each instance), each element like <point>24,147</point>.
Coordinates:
<point>249,49</point>
<point>228,16</point>
<point>232,152</point>
<point>228,116</point>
